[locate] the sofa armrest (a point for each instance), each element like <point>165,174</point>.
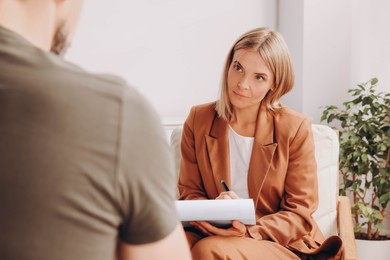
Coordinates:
<point>345,228</point>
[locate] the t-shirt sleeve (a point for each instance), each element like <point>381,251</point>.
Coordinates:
<point>146,180</point>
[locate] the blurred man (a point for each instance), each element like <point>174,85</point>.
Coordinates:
<point>85,171</point>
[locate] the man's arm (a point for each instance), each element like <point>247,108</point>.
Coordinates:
<point>173,246</point>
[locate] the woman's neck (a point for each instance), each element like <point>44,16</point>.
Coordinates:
<point>243,121</point>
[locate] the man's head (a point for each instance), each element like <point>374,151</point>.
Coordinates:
<point>48,24</point>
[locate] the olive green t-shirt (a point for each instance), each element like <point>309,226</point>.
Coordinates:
<point>84,161</point>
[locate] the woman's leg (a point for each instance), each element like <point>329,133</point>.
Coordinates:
<point>193,236</point>
<point>217,247</point>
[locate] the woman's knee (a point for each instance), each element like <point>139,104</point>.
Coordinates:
<point>208,248</point>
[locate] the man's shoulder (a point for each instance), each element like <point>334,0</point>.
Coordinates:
<point>77,75</point>
<point>70,76</point>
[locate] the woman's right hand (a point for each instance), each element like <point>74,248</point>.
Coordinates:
<point>236,230</point>
<point>227,195</point>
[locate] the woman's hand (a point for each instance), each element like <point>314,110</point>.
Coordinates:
<point>236,230</point>
<point>227,195</point>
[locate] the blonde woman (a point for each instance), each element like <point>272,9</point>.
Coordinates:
<point>263,150</point>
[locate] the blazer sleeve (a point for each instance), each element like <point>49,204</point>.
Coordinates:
<point>190,182</point>
<point>294,218</point>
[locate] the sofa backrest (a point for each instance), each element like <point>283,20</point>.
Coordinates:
<point>327,157</point>
<point>326,152</point>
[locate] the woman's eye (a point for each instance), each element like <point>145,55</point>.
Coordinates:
<point>237,67</point>
<point>259,77</point>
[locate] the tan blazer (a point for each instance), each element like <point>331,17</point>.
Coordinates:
<point>282,177</point>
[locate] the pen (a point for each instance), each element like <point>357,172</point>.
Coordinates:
<point>225,185</point>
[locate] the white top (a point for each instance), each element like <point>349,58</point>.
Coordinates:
<point>240,155</point>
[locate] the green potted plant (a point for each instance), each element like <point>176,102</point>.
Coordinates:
<point>364,132</point>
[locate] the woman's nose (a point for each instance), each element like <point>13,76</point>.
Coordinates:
<point>243,83</point>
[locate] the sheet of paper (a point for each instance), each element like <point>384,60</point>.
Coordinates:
<point>218,212</point>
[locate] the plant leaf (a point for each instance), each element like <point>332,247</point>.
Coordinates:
<point>374,81</point>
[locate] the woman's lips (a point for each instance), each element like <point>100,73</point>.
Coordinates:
<point>240,95</point>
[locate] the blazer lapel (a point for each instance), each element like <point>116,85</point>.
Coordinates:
<point>218,150</point>
<point>263,150</point>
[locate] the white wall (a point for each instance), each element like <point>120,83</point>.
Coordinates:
<point>171,50</point>
<point>335,44</point>
<point>370,42</point>
<point>291,26</point>
<point>327,45</point>
<point>318,33</point>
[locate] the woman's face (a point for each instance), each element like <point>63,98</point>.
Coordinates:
<point>248,80</point>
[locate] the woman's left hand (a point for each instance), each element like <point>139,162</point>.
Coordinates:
<point>236,230</point>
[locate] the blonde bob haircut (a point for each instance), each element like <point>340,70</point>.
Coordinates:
<point>274,51</point>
